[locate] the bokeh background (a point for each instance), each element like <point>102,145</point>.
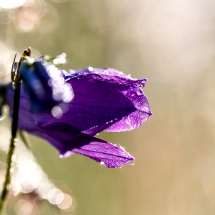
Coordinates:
<point>172,43</point>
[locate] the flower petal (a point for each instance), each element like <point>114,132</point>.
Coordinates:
<point>111,76</point>
<point>130,88</point>
<point>68,141</point>
<point>95,103</point>
<point>106,153</point>
<point>136,118</point>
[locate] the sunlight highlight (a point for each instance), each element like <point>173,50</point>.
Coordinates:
<point>9,4</point>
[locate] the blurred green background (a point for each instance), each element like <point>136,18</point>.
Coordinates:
<point>170,42</point>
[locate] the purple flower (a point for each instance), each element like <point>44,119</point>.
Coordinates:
<point>104,100</point>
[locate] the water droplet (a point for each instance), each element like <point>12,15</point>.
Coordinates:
<point>122,148</point>
<point>90,69</point>
<point>139,92</point>
<point>145,109</point>
<point>128,121</point>
<point>105,71</point>
<point>102,163</point>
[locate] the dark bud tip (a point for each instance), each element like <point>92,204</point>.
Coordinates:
<point>27,52</point>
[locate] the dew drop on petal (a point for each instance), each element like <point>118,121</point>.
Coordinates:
<point>90,69</point>
<point>102,163</point>
<point>68,93</point>
<point>71,71</point>
<point>139,93</point>
<point>122,148</point>
<point>57,94</point>
<point>128,120</point>
<point>55,61</point>
<point>31,60</point>
<point>145,109</point>
<point>61,58</point>
<point>105,71</point>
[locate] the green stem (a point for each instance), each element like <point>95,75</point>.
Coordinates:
<point>12,146</point>
<point>16,81</point>
<point>8,174</point>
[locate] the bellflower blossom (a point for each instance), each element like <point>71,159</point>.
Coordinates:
<point>104,100</point>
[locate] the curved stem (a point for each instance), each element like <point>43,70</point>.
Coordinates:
<point>13,140</point>
<point>16,81</point>
<point>14,127</point>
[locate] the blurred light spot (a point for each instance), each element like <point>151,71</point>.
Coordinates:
<point>57,92</point>
<point>66,203</point>
<point>3,51</point>
<point>57,112</point>
<point>2,117</point>
<point>60,59</point>
<point>68,93</point>
<point>71,71</point>
<point>6,16</point>
<point>23,24</point>
<point>13,159</point>
<point>24,207</point>
<point>29,182</point>
<point>45,188</point>
<point>29,175</point>
<point>35,53</point>
<point>90,69</point>
<point>50,21</point>
<point>30,60</point>
<point>55,61</point>
<point>35,10</point>
<point>9,4</point>
<point>59,1</point>
<point>59,198</point>
<point>53,194</point>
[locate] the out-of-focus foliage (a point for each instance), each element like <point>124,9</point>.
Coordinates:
<point>169,42</point>
<point>30,187</point>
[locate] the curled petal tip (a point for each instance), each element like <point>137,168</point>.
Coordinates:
<point>105,153</point>
<point>144,80</point>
